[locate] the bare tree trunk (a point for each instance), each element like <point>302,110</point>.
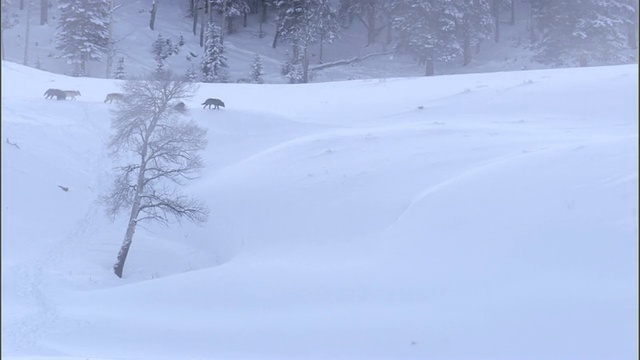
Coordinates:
<point>154,9</point>
<point>295,52</point>
<point>230,25</point>
<point>118,267</point>
<point>496,17</point>
<point>224,16</point>
<point>195,17</point>
<point>429,62</point>
<point>110,50</point>
<point>244,24</point>
<point>275,38</point>
<point>192,7</point>
<point>305,65</point>
<point>204,9</point>
<point>25,61</point>
<point>321,47</point>
<point>513,12</point>
<point>44,11</point>
<point>466,47</point>
<point>371,27</point>
<point>21,4</point>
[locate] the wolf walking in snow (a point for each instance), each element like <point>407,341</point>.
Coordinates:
<point>117,97</point>
<point>49,94</point>
<point>215,102</point>
<point>71,94</point>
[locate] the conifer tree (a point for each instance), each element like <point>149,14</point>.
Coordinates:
<point>119,73</point>
<point>581,32</point>
<point>426,29</point>
<point>83,32</point>
<point>256,70</point>
<point>214,62</point>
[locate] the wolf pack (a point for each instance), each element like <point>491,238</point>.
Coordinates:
<point>118,97</point>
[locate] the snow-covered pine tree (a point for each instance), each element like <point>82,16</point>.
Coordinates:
<point>191,75</point>
<point>329,25</point>
<point>83,32</point>
<point>214,61</point>
<point>256,70</point>
<point>368,12</point>
<point>162,48</point>
<point>426,29</point>
<point>119,73</point>
<point>475,24</point>
<point>300,21</point>
<point>581,32</point>
<point>232,9</point>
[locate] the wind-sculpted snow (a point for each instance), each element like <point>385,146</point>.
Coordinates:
<point>476,216</point>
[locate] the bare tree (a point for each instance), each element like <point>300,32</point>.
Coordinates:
<point>161,153</point>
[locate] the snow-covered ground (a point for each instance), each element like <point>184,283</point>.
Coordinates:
<point>483,216</point>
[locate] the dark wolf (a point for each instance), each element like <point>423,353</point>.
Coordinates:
<point>117,97</point>
<point>215,102</point>
<point>180,107</point>
<point>49,94</point>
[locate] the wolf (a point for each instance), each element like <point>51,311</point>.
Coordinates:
<point>215,102</point>
<point>117,97</point>
<point>71,94</point>
<point>180,107</point>
<point>59,94</point>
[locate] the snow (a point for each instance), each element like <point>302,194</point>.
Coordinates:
<point>480,216</point>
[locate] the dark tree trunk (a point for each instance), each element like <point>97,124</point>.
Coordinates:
<point>191,7</point>
<point>466,48</point>
<point>429,62</point>
<point>371,25</point>
<point>230,25</point>
<point>513,12</point>
<point>583,61</point>
<point>275,38</point>
<point>389,33</point>
<point>496,17</point>
<point>244,24</point>
<point>118,267</point>
<point>296,52</point>
<point>154,9</point>
<point>264,12</point>
<point>44,11</point>
<point>195,18</point>
<point>305,65</point>
<point>21,4</point>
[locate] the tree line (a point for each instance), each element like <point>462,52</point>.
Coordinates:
<point>561,32</point>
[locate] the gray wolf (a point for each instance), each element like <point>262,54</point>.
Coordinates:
<point>71,94</point>
<point>180,107</point>
<point>117,97</point>
<point>59,94</point>
<point>215,102</point>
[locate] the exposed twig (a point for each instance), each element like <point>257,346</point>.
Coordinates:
<point>64,188</point>
<point>14,144</point>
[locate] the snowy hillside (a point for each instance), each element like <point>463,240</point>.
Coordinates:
<point>484,216</point>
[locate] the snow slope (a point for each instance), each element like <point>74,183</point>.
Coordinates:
<point>480,216</point>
